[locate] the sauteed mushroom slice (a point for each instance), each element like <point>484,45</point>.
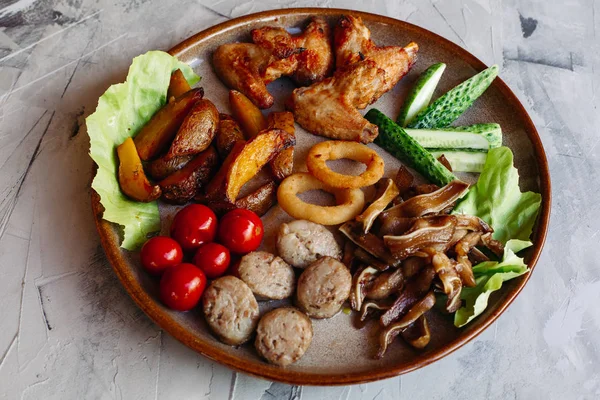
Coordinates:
<point>476,256</point>
<point>368,259</point>
<point>370,306</point>
<point>472,223</point>
<point>414,290</point>
<point>361,280</point>
<point>418,334</point>
<point>426,232</point>
<point>416,311</point>
<point>385,284</point>
<point>348,254</point>
<point>494,245</point>
<point>451,282</point>
<point>412,265</point>
<point>369,242</point>
<point>395,225</point>
<point>386,192</point>
<point>429,203</point>
<point>464,266</point>
<point>404,179</point>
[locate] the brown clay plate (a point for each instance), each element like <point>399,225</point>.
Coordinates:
<point>341,354</point>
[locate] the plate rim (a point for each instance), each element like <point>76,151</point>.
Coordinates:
<point>274,373</point>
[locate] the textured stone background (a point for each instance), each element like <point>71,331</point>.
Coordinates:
<point>69,331</point>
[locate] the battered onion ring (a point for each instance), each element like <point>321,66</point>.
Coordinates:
<point>337,149</point>
<point>350,202</point>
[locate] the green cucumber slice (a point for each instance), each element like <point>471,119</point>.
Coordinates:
<point>474,137</point>
<point>463,161</point>
<point>420,95</point>
<point>402,146</point>
<point>451,105</point>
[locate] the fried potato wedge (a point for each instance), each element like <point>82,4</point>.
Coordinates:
<point>256,153</point>
<point>260,201</point>
<point>247,114</point>
<point>161,168</point>
<point>177,86</point>
<point>183,185</point>
<point>154,137</point>
<point>197,130</point>
<point>228,133</point>
<point>132,179</point>
<point>283,164</point>
<point>215,190</point>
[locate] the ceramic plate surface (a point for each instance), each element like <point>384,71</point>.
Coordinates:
<point>340,353</point>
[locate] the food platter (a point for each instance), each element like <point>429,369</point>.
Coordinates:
<point>340,353</point>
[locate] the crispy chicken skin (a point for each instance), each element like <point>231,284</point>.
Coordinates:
<point>249,67</point>
<point>352,40</point>
<point>329,108</point>
<point>240,66</point>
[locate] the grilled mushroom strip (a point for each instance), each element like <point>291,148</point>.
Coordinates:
<point>368,259</point>
<point>434,231</point>
<point>348,255</point>
<point>419,309</point>
<point>429,203</point>
<point>385,284</point>
<point>395,226</point>
<point>369,242</point>
<point>472,223</point>
<point>476,256</point>
<point>417,334</point>
<point>373,305</point>
<point>412,265</point>
<point>494,245</point>
<point>386,192</point>
<point>404,179</point>
<point>360,282</point>
<point>414,290</point>
<point>464,266</point>
<point>451,282</point>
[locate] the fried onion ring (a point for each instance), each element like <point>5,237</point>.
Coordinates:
<point>337,149</point>
<point>350,202</point>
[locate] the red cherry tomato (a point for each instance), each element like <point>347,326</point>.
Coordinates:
<point>182,286</point>
<point>194,225</point>
<point>241,231</point>
<point>160,253</point>
<point>213,259</point>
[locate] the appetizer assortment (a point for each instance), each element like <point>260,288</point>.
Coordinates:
<point>412,247</point>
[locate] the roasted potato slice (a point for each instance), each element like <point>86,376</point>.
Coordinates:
<point>283,164</point>
<point>260,201</point>
<point>161,168</point>
<point>177,86</point>
<point>132,178</point>
<point>255,154</point>
<point>182,185</point>
<point>228,133</point>
<point>162,128</point>
<point>246,114</point>
<point>215,190</point>
<point>197,130</point>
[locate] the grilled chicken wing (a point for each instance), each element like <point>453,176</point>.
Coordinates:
<point>353,43</point>
<point>241,66</point>
<point>249,67</point>
<point>329,108</point>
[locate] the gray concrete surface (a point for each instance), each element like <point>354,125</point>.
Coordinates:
<point>68,329</point>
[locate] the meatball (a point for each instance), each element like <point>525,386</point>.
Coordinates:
<point>283,335</point>
<point>230,310</point>
<point>323,287</point>
<point>301,243</point>
<point>267,275</point>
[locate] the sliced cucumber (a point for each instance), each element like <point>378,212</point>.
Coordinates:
<point>475,137</point>
<point>451,105</point>
<point>463,161</point>
<point>402,146</point>
<point>420,95</point>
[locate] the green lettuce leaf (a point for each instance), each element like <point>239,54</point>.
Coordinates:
<point>497,199</point>
<point>489,277</point>
<point>122,111</point>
